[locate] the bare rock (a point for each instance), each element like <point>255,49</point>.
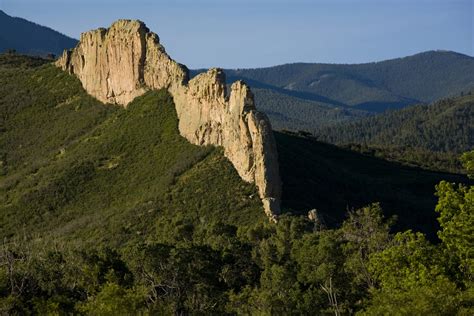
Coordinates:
<point>116,65</point>
<point>110,62</point>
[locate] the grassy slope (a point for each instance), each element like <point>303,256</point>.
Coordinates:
<point>83,171</point>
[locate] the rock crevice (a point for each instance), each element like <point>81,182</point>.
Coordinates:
<point>116,65</point>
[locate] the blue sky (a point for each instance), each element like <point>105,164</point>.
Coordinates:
<point>257,33</point>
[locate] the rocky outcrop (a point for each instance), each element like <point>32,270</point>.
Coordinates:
<point>116,65</point>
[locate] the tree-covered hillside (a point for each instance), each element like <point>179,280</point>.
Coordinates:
<point>73,167</point>
<point>30,38</point>
<point>292,113</point>
<point>445,126</point>
<point>109,211</point>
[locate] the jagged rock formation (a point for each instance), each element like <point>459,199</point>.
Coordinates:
<point>116,65</point>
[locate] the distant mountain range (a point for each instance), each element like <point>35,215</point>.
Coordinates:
<point>305,96</point>
<point>424,77</point>
<point>30,38</point>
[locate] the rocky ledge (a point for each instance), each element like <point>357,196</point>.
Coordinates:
<point>116,65</point>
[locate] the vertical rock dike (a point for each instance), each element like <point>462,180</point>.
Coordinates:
<point>116,65</point>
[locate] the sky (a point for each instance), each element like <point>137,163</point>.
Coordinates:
<point>260,33</point>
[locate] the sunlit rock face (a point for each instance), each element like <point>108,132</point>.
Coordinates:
<point>116,65</point>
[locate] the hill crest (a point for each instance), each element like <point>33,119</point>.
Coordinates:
<point>116,65</point>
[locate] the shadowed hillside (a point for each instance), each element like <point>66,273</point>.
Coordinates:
<point>334,180</point>
<point>30,38</point>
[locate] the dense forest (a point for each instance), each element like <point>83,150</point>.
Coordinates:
<point>291,113</point>
<point>30,38</point>
<point>446,126</point>
<point>109,211</point>
<point>431,136</point>
<point>412,157</point>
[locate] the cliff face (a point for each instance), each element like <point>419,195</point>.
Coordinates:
<point>116,65</point>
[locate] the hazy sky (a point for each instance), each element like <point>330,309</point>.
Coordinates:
<point>256,33</point>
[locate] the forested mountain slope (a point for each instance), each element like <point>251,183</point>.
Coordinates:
<point>106,210</point>
<point>72,166</point>
<point>30,38</point>
<point>292,113</point>
<point>445,126</point>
